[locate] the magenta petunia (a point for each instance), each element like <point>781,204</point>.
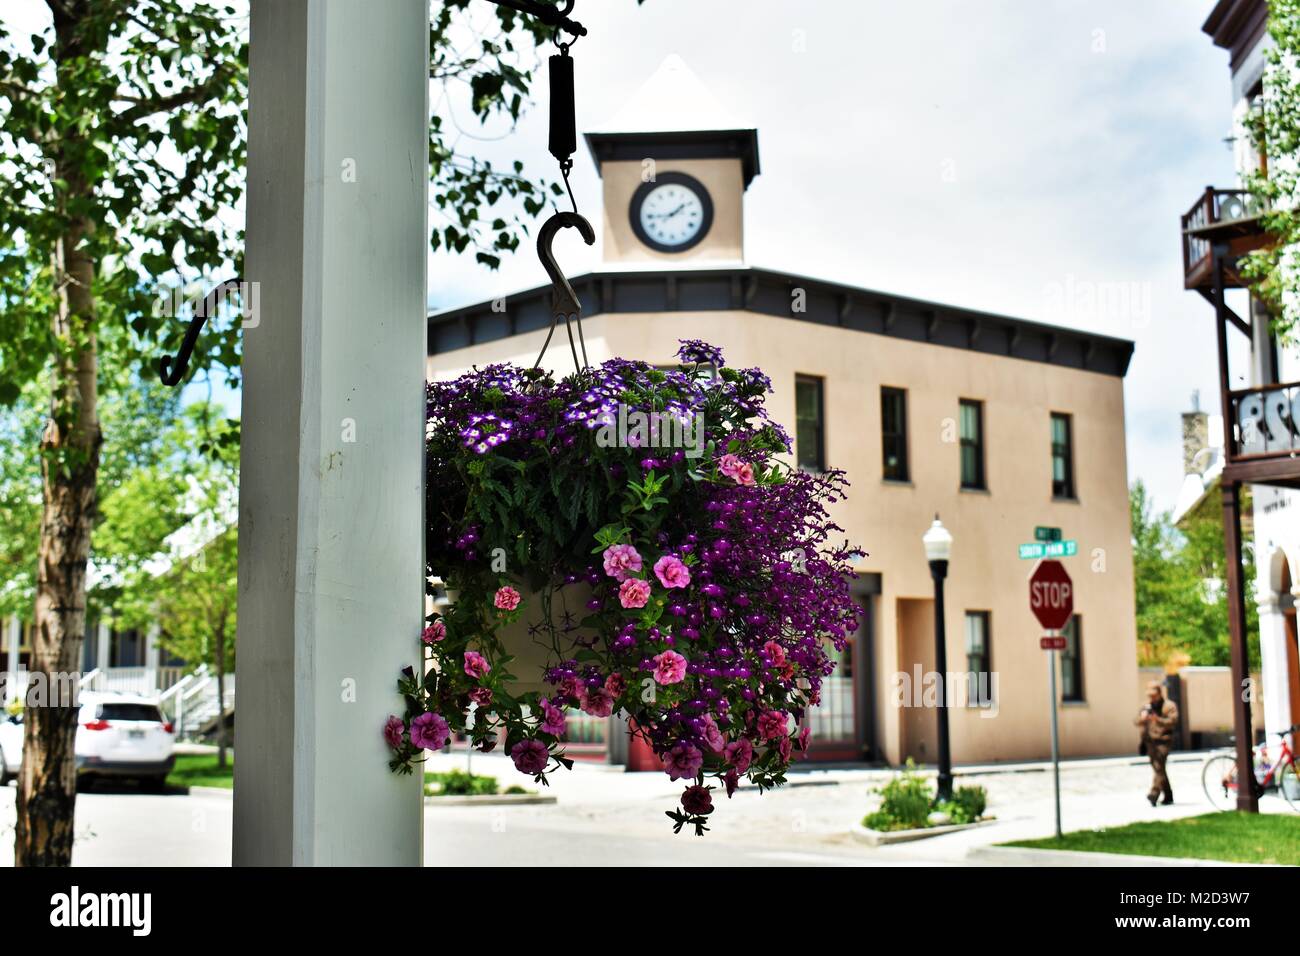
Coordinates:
<point>670,667</point>
<point>713,738</point>
<point>481,696</point>
<point>530,756</point>
<point>683,761</point>
<point>739,754</point>
<point>434,633</point>
<point>672,572</point>
<point>621,561</point>
<point>393,730</point>
<point>598,702</point>
<point>634,593</point>
<point>506,599</point>
<point>476,664</point>
<point>772,724</point>
<point>697,800</point>
<point>553,720</point>
<point>430,732</point>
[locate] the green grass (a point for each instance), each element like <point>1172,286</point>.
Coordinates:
<point>1230,836</point>
<point>200,770</point>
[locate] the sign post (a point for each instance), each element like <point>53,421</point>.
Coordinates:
<point>1051,599</point>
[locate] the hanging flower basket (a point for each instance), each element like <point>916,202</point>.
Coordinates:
<point>625,540</point>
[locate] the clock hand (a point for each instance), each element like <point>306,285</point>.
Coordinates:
<point>667,215</point>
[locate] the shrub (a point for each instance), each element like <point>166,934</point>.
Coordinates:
<point>458,783</point>
<point>905,804</point>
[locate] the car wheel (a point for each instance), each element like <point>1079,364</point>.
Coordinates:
<point>156,784</point>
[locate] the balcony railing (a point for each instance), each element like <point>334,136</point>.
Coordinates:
<point>1266,422</point>
<point>1218,213</point>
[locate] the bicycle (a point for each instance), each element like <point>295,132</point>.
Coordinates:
<point>1219,775</point>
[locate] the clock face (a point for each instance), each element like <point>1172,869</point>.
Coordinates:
<point>671,214</point>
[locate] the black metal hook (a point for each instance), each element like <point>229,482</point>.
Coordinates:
<point>564,301</point>
<point>201,313</point>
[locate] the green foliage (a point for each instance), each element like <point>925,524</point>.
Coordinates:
<point>966,806</point>
<point>459,783</point>
<point>1178,571</point>
<point>1274,130</point>
<point>905,804</point>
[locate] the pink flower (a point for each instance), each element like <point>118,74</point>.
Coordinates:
<point>598,702</point>
<point>634,593</point>
<point>530,756</point>
<point>570,687</point>
<point>732,780</point>
<point>712,735</point>
<point>805,735</point>
<point>683,761</point>
<point>729,466</point>
<point>434,632</point>
<point>671,572</point>
<point>746,474</point>
<point>507,598</point>
<point>783,748</point>
<point>697,800</point>
<point>739,754</point>
<point>621,561</point>
<point>615,684</point>
<point>776,653</point>
<point>772,724</point>
<point>429,732</point>
<point>476,664</point>
<point>670,667</point>
<point>553,722</point>
<point>481,696</point>
<point>393,730</point>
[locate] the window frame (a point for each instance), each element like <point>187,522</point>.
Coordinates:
<point>980,482</point>
<point>1066,452</point>
<point>904,473</point>
<point>820,383</point>
<point>972,676</point>
<point>1073,661</point>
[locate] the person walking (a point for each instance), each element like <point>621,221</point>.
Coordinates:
<point>1158,719</point>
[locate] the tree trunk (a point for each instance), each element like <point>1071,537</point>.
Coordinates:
<point>221,698</point>
<point>70,461</point>
<point>47,785</point>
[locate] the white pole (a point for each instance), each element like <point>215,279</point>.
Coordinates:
<point>15,638</point>
<point>151,655</point>
<point>331,496</point>
<point>1056,744</point>
<point>103,645</point>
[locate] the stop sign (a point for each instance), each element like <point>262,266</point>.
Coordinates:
<point>1051,595</point>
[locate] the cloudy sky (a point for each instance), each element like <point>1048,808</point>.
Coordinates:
<point>1018,156</point>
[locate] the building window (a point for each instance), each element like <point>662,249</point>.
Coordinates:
<point>1062,457</point>
<point>1072,661</point>
<point>893,431</point>
<point>809,430</point>
<point>979,672</point>
<point>972,443</point>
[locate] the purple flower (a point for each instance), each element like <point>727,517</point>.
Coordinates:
<point>683,761</point>
<point>712,735</point>
<point>393,730</point>
<point>739,754</point>
<point>429,732</point>
<point>530,756</point>
<point>598,702</point>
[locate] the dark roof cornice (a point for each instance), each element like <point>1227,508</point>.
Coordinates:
<point>1237,25</point>
<point>766,292</point>
<point>739,144</point>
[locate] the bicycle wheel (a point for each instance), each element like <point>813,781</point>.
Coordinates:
<point>1288,785</point>
<point>1219,778</point>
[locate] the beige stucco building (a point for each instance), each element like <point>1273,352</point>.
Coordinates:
<point>997,424</point>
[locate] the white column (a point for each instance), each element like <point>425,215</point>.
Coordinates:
<point>103,644</point>
<point>151,655</point>
<point>1274,677</point>
<point>331,497</point>
<point>11,664</point>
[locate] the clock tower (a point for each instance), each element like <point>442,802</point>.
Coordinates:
<point>675,169</point>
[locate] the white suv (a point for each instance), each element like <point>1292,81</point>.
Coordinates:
<point>118,735</point>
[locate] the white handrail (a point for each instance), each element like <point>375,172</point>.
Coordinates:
<point>88,679</point>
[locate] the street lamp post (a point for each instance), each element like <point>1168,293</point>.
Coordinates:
<point>938,548</point>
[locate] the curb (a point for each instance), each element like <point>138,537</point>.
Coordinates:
<point>210,791</point>
<point>886,837</point>
<point>1027,856</point>
<point>493,800</point>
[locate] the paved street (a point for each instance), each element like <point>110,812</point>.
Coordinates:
<point>606,817</point>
